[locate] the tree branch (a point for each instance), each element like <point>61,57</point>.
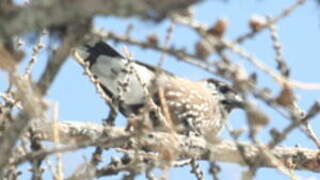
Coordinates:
<point>36,16</point>
<point>182,146</point>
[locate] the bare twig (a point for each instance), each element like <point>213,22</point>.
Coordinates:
<point>35,52</point>
<point>180,54</point>
<point>56,140</point>
<point>54,65</point>
<point>94,80</point>
<point>282,65</point>
<point>196,170</point>
<point>284,13</point>
<point>314,110</point>
<point>214,170</point>
<point>277,77</point>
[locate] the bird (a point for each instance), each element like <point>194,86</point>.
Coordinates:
<point>192,107</point>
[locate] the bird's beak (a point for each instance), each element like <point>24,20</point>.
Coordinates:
<point>235,102</point>
<point>238,102</point>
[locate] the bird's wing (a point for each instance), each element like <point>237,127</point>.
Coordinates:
<point>119,77</point>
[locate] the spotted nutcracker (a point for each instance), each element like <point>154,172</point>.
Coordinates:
<point>200,107</point>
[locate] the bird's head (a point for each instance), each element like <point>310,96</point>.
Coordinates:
<point>229,98</point>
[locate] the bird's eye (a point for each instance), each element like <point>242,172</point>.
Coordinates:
<point>224,89</point>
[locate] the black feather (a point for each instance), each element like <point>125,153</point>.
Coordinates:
<point>100,48</point>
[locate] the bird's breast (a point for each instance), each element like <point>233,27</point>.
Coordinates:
<point>192,106</point>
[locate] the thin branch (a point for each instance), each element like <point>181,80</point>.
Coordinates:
<point>180,54</point>
<point>284,13</point>
<point>281,62</point>
<point>54,65</point>
<point>276,76</point>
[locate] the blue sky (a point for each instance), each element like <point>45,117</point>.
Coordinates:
<point>300,37</point>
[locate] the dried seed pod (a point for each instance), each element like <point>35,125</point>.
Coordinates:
<point>202,49</point>
<point>257,22</point>
<point>219,28</point>
<point>242,81</point>
<point>256,118</point>
<point>152,39</point>
<point>286,97</point>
